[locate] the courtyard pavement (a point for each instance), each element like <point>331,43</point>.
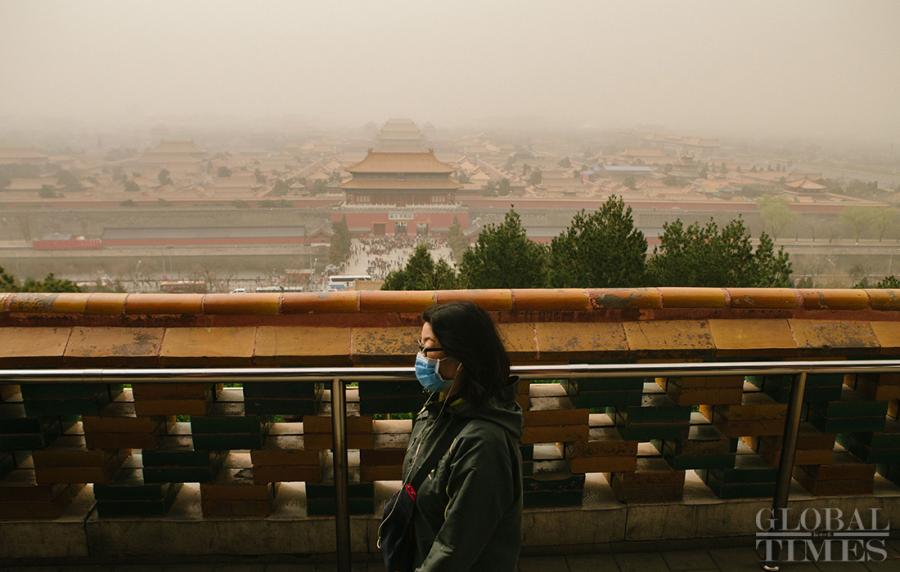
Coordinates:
<point>723,559</point>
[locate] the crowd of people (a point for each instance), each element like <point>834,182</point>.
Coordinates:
<point>379,256</point>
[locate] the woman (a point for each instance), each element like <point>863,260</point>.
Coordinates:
<point>469,505</point>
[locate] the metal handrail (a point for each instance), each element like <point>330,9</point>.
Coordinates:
<point>340,376</point>
<point>354,374</point>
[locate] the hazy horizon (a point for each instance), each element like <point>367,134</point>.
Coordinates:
<point>807,69</point>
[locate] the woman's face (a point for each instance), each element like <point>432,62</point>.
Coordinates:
<point>448,366</point>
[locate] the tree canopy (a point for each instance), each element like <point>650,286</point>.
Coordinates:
<point>776,214</point>
<point>422,273</point>
<point>886,282</point>
<point>69,180</point>
<point>504,257</point>
<point>874,222</point>
<point>857,219</point>
<point>457,241</point>
<point>280,188</point>
<point>600,249</point>
<point>50,283</point>
<point>708,255</point>
<point>164,177</point>
<point>340,242</point>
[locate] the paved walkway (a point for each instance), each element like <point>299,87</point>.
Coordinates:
<point>724,560</point>
<point>394,259</point>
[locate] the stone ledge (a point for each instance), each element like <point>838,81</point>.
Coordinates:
<point>600,524</point>
<point>555,341</point>
<point>63,537</point>
<point>516,300</point>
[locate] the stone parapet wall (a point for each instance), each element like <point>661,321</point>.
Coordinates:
<point>343,328</point>
<point>606,460</point>
<point>504,300</point>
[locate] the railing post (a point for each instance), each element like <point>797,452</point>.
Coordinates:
<point>786,465</point>
<point>342,507</point>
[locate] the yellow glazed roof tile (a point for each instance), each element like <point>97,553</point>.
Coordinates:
<point>538,299</point>
<point>769,298</point>
<point>668,335</point>
<point>580,338</point>
<point>887,299</point>
<point>519,338</point>
<point>208,342</point>
<point>309,302</point>
<point>396,344</point>
<point>752,334</point>
<point>87,342</point>
<point>543,299</point>
<point>281,343</point>
<point>164,304</point>
<point>493,299</point>
<point>242,304</point>
<point>845,299</point>
<point>833,334</point>
<point>33,342</point>
<point>382,301</point>
<point>625,298</point>
<point>887,334</point>
<point>693,297</point>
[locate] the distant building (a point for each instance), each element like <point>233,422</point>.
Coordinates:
<point>177,156</point>
<point>401,191</point>
<point>622,171</point>
<point>805,186</point>
<point>17,156</point>
<point>401,179</point>
<point>400,135</point>
<point>239,185</point>
<point>33,184</point>
<point>645,156</point>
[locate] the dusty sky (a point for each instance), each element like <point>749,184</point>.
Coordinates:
<point>815,68</point>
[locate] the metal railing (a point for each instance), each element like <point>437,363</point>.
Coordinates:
<point>338,377</point>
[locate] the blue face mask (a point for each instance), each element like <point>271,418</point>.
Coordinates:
<point>428,375</point>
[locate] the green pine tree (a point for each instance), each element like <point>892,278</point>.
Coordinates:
<point>886,282</point>
<point>422,273</point>
<point>770,269</point>
<point>457,240</point>
<point>339,251</point>
<point>9,283</point>
<point>709,256</point>
<point>601,249</point>
<point>504,257</point>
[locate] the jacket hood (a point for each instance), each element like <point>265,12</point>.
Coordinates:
<point>502,410</point>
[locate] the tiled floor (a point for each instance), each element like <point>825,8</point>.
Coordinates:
<point>717,560</point>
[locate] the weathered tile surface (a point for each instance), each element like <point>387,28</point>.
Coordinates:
<point>668,335</point>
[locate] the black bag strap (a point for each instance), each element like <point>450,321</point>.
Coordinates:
<point>437,452</point>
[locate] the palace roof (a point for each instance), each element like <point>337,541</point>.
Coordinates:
<point>384,162</point>
<point>413,183</point>
<point>806,185</point>
<point>176,147</point>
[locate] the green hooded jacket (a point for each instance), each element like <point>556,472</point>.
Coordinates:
<point>469,508</point>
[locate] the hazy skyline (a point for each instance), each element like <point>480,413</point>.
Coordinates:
<point>810,68</point>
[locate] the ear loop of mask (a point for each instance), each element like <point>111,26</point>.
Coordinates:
<point>412,464</point>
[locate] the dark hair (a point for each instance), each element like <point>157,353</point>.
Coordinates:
<point>467,333</point>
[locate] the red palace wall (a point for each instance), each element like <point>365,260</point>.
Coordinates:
<point>441,220</point>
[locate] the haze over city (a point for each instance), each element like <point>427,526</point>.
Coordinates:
<point>807,69</point>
